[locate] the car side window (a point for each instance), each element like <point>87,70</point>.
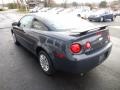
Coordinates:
<point>26,22</point>
<point>38,25</point>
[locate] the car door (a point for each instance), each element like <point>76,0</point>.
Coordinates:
<point>22,30</point>
<point>33,34</point>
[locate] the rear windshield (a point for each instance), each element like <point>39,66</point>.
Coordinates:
<point>67,23</point>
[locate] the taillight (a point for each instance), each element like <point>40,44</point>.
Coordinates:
<point>75,48</point>
<point>88,45</point>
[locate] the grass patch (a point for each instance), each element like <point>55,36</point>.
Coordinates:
<point>22,9</point>
<point>12,5</point>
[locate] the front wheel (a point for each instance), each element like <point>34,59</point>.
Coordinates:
<point>45,63</point>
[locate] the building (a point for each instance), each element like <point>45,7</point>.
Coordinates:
<point>40,3</point>
<point>33,3</point>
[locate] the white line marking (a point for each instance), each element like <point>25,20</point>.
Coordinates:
<point>117,27</point>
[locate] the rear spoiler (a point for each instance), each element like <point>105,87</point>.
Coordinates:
<point>99,28</point>
<point>95,29</point>
<point>92,30</point>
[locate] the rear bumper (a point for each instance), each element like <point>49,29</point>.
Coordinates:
<point>84,63</point>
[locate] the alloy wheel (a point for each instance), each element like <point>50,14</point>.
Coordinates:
<point>44,62</point>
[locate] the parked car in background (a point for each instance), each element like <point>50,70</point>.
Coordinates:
<point>35,9</point>
<point>44,9</point>
<point>101,15</point>
<point>65,43</point>
<point>116,13</point>
<point>86,14</point>
<point>74,11</point>
<point>66,11</point>
<point>52,10</point>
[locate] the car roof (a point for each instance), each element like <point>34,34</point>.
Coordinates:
<point>59,21</point>
<point>54,16</point>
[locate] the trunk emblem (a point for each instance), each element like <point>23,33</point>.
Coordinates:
<point>101,38</point>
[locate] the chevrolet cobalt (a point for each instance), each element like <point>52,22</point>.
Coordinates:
<point>63,43</point>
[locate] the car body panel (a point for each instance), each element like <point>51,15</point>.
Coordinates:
<point>82,64</point>
<point>58,42</point>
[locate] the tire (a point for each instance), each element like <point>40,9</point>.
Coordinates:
<point>90,20</point>
<point>112,19</point>
<point>45,63</point>
<point>15,39</point>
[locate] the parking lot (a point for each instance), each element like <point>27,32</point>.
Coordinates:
<point>20,70</point>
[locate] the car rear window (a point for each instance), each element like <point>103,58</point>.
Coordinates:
<point>67,23</point>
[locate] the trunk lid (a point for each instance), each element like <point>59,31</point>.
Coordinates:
<point>97,37</point>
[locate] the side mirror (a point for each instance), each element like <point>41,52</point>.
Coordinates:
<point>15,24</point>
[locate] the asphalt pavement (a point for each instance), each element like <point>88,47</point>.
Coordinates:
<point>20,70</point>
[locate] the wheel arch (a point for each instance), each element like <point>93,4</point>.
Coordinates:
<point>39,48</point>
<point>50,54</point>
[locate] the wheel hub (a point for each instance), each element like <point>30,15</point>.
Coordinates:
<point>44,62</point>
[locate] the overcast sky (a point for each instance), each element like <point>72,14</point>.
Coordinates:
<point>60,1</point>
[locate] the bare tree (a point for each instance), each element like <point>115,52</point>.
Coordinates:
<point>103,4</point>
<point>75,4</point>
<point>18,4</point>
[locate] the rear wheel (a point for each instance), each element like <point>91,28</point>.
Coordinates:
<point>46,63</point>
<point>15,39</point>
